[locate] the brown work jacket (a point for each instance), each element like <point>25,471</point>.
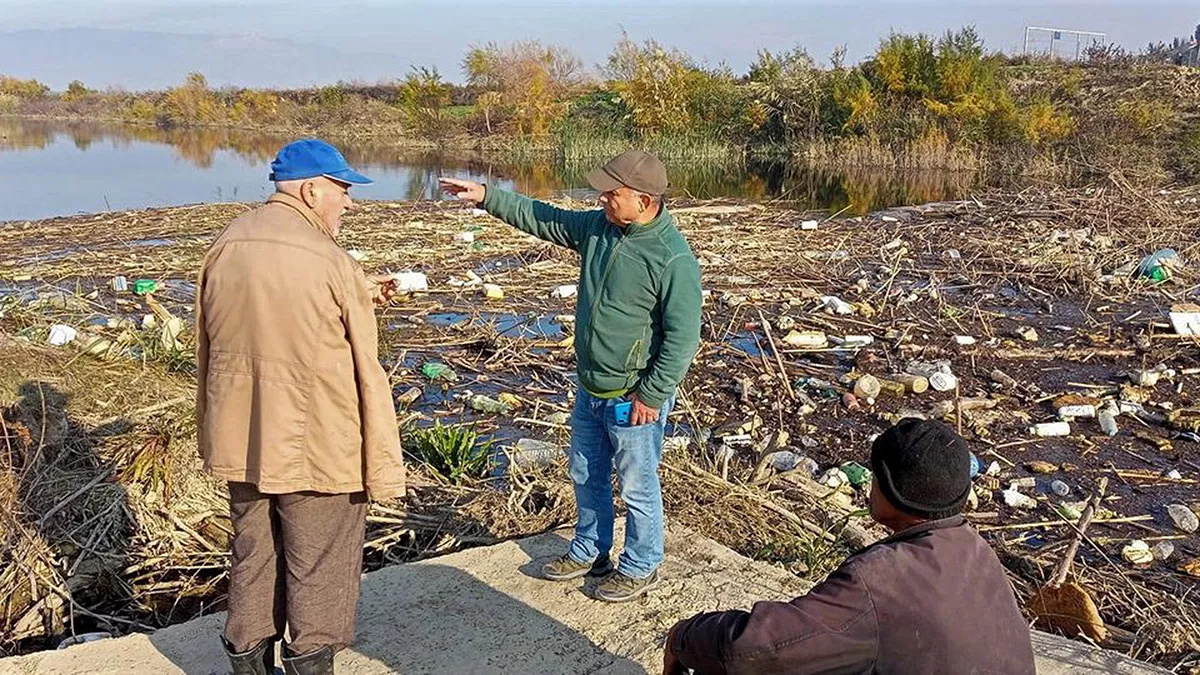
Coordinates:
<point>931,599</point>
<point>291,395</point>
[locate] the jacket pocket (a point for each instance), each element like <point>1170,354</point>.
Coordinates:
<point>256,417</point>
<point>633,357</point>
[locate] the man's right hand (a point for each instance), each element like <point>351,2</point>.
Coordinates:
<point>468,191</point>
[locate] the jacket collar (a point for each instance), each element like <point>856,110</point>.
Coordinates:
<point>300,207</point>
<point>636,228</point>
<point>923,528</point>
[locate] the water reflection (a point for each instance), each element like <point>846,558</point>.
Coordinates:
<point>60,168</point>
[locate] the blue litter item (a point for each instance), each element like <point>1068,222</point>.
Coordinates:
<point>977,466</point>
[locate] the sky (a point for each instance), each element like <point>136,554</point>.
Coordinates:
<point>391,35</point>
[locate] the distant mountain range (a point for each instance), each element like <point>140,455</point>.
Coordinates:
<point>139,60</point>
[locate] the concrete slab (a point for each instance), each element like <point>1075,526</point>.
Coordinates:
<point>485,611</point>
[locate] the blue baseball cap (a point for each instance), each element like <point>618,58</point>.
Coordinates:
<point>310,158</point>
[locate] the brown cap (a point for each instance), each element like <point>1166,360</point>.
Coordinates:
<point>637,169</point>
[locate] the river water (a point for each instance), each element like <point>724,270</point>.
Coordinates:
<point>66,168</point>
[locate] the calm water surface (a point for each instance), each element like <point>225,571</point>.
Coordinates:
<point>56,169</point>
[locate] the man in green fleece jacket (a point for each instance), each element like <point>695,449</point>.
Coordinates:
<point>637,328</point>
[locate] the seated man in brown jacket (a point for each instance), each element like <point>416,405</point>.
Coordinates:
<point>931,599</point>
<point>295,412</point>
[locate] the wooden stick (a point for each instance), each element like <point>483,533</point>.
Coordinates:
<point>1064,565</point>
<point>787,385</point>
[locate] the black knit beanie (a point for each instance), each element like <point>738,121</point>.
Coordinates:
<point>923,468</point>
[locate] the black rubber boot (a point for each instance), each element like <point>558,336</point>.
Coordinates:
<point>258,660</point>
<point>316,662</point>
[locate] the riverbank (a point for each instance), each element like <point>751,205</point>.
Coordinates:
<point>1032,284</point>
<point>1012,116</point>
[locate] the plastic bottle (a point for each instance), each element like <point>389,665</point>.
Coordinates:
<point>1108,422</point>
<point>1158,266</point>
<point>1047,429</point>
<point>867,387</point>
<point>943,381</point>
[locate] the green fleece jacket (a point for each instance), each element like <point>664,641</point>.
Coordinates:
<point>637,317</point>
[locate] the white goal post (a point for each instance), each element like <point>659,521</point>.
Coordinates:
<point>1059,43</point>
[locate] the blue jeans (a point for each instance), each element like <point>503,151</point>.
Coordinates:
<point>597,441</point>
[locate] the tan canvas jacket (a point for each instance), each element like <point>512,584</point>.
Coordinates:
<point>291,395</point>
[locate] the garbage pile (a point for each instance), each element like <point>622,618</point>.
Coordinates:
<point>1055,329</point>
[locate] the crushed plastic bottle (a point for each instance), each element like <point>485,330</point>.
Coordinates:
<point>1108,422</point>
<point>856,473</point>
<point>488,405</point>
<point>436,371</point>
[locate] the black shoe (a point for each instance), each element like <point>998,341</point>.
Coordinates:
<point>316,662</point>
<point>258,660</point>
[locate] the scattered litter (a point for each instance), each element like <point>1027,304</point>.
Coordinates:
<point>409,397</point>
<point>1023,483</point>
<point>567,291</point>
<point>856,341</point>
<point>1038,466</point>
<point>61,334</point>
<point>1160,265</point>
<point>809,225</point>
<point>837,305</point>
<point>1051,429</point>
<point>1174,474</point>
<point>1184,518</point>
<point>1162,551</point>
<point>1070,412</point>
<point>1003,379</point>
<point>119,284</point>
<point>964,340</point>
<point>867,387</point>
<point>479,212</point>
<point>1018,500</point>
<point>410,282</point>
<point>1060,488</point>
<point>943,381</point>
<point>1185,319</point>
<point>809,339</point>
<point>465,237</point>
<point>436,371</point>
<point>532,452</point>
<point>145,286</point>
<point>786,460</point>
<point>1137,552</point>
<point>856,473</point>
<point>1027,333</point>
<point>914,384</point>
<point>493,292</point>
<point>1108,422</point>
<point>834,478</point>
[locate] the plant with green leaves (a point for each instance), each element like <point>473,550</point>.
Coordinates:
<point>454,452</point>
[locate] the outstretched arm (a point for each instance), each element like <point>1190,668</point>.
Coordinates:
<point>560,226</point>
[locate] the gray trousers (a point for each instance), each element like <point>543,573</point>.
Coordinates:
<point>296,561</point>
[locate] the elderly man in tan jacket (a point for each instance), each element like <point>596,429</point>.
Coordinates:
<point>295,412</point>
